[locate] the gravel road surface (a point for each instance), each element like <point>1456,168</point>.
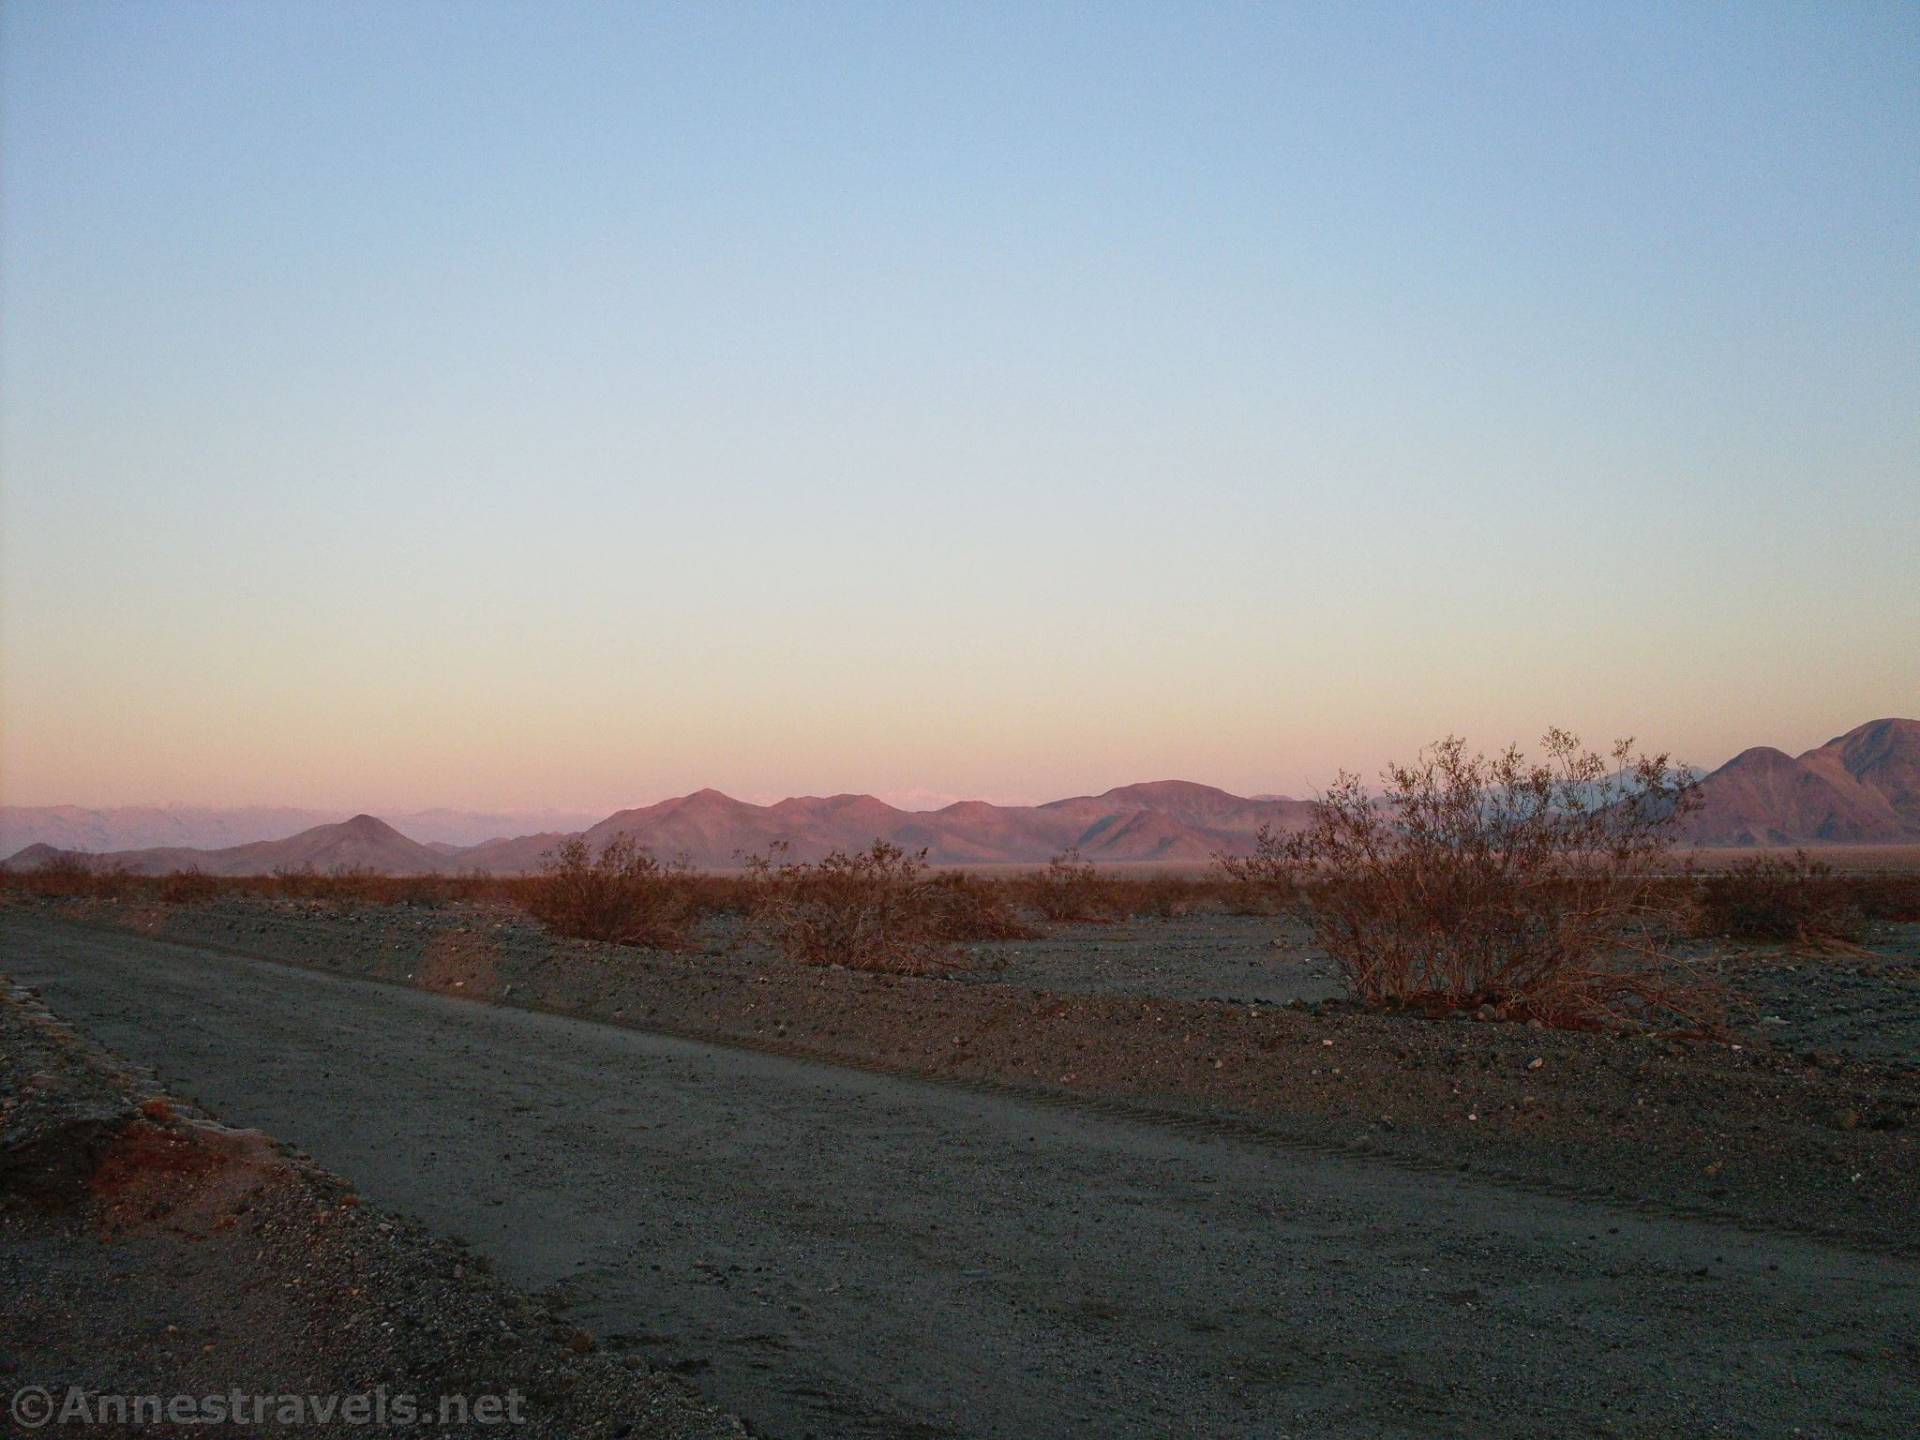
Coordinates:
<point>831,1252</point>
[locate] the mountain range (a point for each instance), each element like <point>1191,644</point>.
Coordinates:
<point>1861,787</point>
<point>1170,821</point>
<point>206,827</point>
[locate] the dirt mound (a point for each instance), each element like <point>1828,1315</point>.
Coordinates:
<point>192,1176</point>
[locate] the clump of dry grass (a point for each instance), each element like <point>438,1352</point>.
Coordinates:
<point>622,895</point>
<point>876,909</point>
<point>1526,890</point>
<point>1781,897</point>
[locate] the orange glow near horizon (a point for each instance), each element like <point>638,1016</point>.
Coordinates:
<point>966,401</point>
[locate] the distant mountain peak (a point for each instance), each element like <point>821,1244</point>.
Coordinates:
<point>1167,790</point>
<point>1759,756</point>
<point>1858,788</point>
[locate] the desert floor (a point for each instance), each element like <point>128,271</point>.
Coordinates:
<point>1141,1179</point>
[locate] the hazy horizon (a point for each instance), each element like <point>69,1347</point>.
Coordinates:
<point>919,799</point>
<point>510,408</point>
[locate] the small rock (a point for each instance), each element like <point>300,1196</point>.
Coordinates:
<point>580,1342</point>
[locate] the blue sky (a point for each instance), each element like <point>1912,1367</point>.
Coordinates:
<point>488,404</point>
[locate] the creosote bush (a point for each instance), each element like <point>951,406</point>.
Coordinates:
<point>351,885</point>
<point>876,909</point>
<point>190,886</point>
<point>1884,897</point>
<point>623,895</point>
<point>1262,883</point>
<point>1531,889</point>
<point>969,909</point>
<point>74,874</point>
<point>1781,897</point>
<point>1070,890</point>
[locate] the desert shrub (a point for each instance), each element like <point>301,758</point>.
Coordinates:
<point>1151,897</point>
<point>1075,891</point>
<point>370,887</point>
<point>970,909</point>
<point>623,895</point>
<point>1070,890</point>
<point>876,909</point>
<point>1886,897</point>
<point>355,885</point>
<point>1262,883</point>
<point>1780,897</point>
<point>1530,888</point>
<point>722,894</point>
<point>297,882</point>
<point>341,884</point>
<point>74,874</point>
<point>190,886</point>
<point>57,877</point>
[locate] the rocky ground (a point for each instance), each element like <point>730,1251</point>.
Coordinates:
<point>1809,1118</point>
<point>1856,1002</point>
<point>148,1251</point>
<point>859,1252</point>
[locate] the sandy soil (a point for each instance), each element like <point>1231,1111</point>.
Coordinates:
<point>842,1252</point>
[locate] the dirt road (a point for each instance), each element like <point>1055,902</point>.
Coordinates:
<point>836,1253</point>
